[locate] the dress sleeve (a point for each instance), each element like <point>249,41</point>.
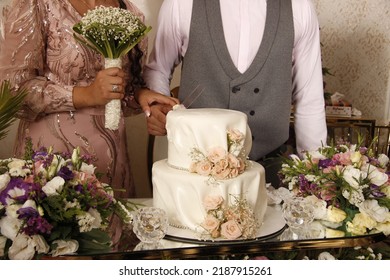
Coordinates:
<point>23,56</point>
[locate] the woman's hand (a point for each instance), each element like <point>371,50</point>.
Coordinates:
<point>109,84</point>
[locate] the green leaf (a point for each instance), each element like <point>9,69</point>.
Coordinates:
<point>10,104</point>
<point>94,241</point>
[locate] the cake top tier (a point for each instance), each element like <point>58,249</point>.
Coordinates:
<point>194,134</point>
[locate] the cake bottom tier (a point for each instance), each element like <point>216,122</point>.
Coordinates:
<point>181,193</point>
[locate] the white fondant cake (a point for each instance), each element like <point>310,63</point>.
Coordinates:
<point>206,181</point>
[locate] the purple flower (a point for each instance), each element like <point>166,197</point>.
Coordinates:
<point>27,212</point>
<point>325,163</point>
<point>375,192</point>
<point>37,225</point>
<point>65,173</point>
<point>14,183</point>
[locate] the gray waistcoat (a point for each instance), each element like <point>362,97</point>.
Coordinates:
<point>263,92</point>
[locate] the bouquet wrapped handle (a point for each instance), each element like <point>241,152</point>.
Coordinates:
<point>112,108</point>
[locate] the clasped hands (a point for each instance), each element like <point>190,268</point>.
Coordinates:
<point>110,84</point>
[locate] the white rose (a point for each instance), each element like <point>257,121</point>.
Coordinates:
<point>4,180</point>
<point>386,190</point>
<point>353,175</point>
<point>376,176</point>
<point>10,227</point>
<point>3,240</point>
<point>332,233</point>
<point>22,248</point>
<point>335,215</point>
<point>383,160</point>
<point>54,186</point>
<point>355,157</point>
<point>97,219</point>
<point>326,256</point>
<point>372,209</point>
<point>356,229</point>
<point>63,247</point>
<point>384,227</point>
<point>87,168</point>
<point>364,220</point>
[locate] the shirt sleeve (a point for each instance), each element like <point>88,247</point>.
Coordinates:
<point>168,47</point>
<point>308,94</point>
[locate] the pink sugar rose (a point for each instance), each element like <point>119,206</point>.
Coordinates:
<point>235,135</point>
<point>233,161</point>
<point>231,230</point>
<point>212,202</point>
<point>203,168</point>
<point>216,154</point>
<point>210,223</point>
<point>221,170</point>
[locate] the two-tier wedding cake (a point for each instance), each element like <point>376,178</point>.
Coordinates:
<point>207,184</point>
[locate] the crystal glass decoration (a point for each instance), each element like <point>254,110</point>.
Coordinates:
<point>150,224</point>
<point>298,214</point>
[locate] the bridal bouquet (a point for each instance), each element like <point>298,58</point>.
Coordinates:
<point>348,186</point>
<point>54,204</point>
<point>112,32</point>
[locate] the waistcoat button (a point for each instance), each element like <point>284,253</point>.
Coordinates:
<point>236,89</point>
<point>252,113</point>
<point>256,90</point>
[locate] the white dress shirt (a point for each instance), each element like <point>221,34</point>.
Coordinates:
<point>243,23</point>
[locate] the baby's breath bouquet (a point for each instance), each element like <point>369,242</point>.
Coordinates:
<point>348,186</point>
<point>112,32</point>
<point>53,204</point>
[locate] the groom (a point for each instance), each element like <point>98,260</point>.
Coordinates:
<point>259,57</point>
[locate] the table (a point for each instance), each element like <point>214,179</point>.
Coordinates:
<point>179,250</point>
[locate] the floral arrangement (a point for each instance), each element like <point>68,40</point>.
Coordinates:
<point>229,221</point>
<point>112,32</point>
<point>9,106</point>
<point>54,204</point>
<point>348,186</point>
<point>218,163</point>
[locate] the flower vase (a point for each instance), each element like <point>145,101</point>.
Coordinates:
<point>113,108</point>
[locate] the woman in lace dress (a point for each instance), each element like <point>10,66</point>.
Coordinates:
<point>67,85</point>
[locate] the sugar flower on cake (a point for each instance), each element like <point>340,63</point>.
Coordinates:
<point>54,204</point>
<point>219,163</point>
<point>229,219</point>
<point>348,186</point>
